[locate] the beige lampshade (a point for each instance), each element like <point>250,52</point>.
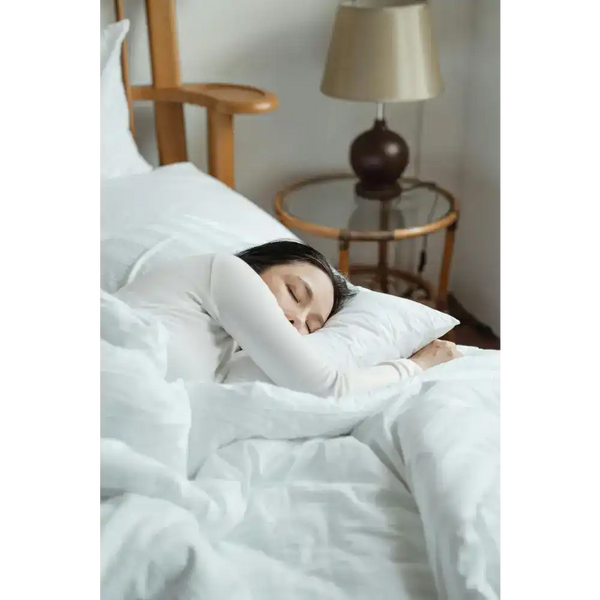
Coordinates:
<point>382,54</point>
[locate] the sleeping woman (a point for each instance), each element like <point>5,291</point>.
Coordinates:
<point>264,300</point>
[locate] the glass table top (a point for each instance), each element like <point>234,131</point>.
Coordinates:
<point>333,203</point>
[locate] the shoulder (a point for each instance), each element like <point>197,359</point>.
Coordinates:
<point>233,281</point>
<point>229,262</point>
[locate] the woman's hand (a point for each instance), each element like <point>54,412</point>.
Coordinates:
<point>436,353</point>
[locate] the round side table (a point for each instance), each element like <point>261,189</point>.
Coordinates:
<point>422,209</point>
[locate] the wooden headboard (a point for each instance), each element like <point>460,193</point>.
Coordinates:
<point>222,101</point>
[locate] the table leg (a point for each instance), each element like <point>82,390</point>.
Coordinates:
<point>442,295</point>
<point>382,265</point>
<point>344,257</point>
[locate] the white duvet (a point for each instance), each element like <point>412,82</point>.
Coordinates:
<point>252,491</point>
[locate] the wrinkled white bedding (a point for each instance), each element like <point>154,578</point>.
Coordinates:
<point>291,496</point>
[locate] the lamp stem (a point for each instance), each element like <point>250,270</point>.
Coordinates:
<point>419,136</point>
<point>380,114</point>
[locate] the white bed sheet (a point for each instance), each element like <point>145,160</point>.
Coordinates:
<point>175,211</point>
<point>324,519</point>
<point>390,495</point>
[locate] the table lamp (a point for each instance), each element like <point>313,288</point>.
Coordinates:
<point>381,52</point>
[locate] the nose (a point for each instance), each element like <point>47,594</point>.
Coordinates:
<point>297,317</point>
<point>299,324</point>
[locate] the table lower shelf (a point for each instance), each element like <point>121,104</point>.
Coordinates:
<point>391,280</point>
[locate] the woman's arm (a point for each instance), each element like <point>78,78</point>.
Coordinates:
<point>245,307</point>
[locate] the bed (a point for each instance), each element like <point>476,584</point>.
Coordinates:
<point>241,489</point>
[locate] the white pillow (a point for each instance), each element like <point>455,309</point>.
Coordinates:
<point>370,329</point>
<point>170,213</point>
<point>119,153</point>
<point>375,327</point>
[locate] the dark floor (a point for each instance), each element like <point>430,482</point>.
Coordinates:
<point>471,332</point>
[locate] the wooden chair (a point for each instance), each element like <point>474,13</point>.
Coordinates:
<point>222,101</point>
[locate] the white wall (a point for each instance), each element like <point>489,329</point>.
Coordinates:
<point>281,45</point>
<point>476,276</point>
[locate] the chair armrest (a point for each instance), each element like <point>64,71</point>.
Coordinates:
<point>222,97</point>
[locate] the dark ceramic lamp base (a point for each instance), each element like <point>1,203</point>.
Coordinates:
<point>379,157</point>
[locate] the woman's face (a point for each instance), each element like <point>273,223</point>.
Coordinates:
<point>304,293</point>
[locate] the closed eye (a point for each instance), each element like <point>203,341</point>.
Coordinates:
<point>291,291</point>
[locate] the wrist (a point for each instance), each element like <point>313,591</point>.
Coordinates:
<point>421,364</point>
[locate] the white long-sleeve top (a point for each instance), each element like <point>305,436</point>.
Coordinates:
<point>211,303</point>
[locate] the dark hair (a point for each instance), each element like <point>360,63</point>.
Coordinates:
<point>285,252</point>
